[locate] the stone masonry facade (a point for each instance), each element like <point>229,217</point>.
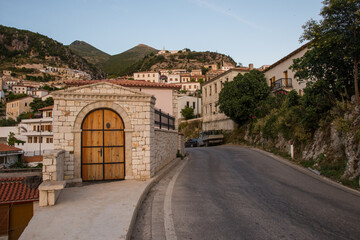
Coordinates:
<point>136,109</point>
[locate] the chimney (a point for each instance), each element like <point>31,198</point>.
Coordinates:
<point>251,66</point>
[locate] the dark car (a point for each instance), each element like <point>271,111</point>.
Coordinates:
<point>191,143</point>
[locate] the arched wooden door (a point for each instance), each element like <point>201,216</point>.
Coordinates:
<point>102,146</point>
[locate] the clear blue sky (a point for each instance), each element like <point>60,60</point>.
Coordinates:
<point>259,32</point>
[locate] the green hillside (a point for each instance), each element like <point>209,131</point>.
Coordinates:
<point>26,47</point>
<point>88,52</point>
<point>118,64</point>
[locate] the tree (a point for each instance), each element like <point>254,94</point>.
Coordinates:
<point>37,103</point>
<point>188,112</point>
<point>334,50</point>
<point>13,96</point>
<point>240,98</point>
<point>12,139</point>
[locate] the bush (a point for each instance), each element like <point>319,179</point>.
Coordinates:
<point>270,130</point>
<point>188,113</point>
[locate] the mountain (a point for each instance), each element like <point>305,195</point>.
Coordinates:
<point>88,52</point>
<point>181,60</point>
<point>26,47</point>
<point>117,64</point>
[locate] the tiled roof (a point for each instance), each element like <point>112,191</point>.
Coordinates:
<point>7,148</point>
<point>125,83</point>
<point>15,190</point>
<point>30,159</point>
<point>46,108</point>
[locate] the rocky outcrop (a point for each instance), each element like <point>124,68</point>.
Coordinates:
<point>337,142</point>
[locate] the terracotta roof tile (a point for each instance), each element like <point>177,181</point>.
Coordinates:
<point>125,83</point>
<point>7,148</point>
<point>15,190</point>
<point>46,108</point>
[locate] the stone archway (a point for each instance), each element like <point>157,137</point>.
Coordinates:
<point>77,135</point>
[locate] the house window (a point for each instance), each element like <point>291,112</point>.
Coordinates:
<point>193,105</point>
<point>35,139</point>
<point>299,92</point>
<point>154,75</point>
<point>215,88</point>
<point>210,108</point>
<point>29,139</point>
<point>187,103</point>
<point>25,104</point>
<point>40,139</point>
<point>210,91</point>
<point>205,92</point>
<point>34,128</point>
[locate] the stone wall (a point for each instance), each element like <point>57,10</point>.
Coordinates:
<point>53,166</point>
<point>136,110</point>
<point>181,144</point>
<point>164,149</point>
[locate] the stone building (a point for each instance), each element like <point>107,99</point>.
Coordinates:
<point>18,106</point>
<point>105,132</point>
<point>212,118</point>
<point>147,76</point>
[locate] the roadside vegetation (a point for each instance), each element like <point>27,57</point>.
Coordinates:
<point>324,123</point>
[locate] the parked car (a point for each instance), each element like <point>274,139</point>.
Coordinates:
<point>212,137</point>
<point>193,142</point>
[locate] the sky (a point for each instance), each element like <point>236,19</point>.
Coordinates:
<point>259,32</point>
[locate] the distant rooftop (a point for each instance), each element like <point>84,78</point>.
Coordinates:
<point>125,83</point>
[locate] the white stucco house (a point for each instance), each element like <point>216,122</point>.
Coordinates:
<point>279,76</point>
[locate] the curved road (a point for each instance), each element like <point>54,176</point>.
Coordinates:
<point>232,192</point>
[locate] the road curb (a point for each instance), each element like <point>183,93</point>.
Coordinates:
<point>304,170</point>
<point>152,182</point>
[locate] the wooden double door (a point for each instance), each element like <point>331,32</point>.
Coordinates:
<point>102,146</point>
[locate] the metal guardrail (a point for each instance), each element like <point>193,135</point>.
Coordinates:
<point>164,120</point>
<point>281,83</point>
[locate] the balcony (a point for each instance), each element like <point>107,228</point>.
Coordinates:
<point>281,84</point>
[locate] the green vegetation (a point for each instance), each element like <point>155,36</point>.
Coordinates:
<point>239,98</point>
<point>7,122</point>
<point>187,112</point>
<point>143,58</point>
<point>334,51</point>
<point>43,78</point>
<point>118,64</point>
<point>331,60</point>
<point>13,96</point>
<point>88,52</point>
<point>12,139</point>
<point>191,129</point>
<point>37,103</point>
<point>36,48</point>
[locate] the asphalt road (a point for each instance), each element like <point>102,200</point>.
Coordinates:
<point>232,192</point>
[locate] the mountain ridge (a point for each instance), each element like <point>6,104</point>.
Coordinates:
<point>26,47</point>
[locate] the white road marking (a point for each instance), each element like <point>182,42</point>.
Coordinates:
<point>170,233</point>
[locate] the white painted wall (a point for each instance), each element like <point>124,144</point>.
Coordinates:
<point>183,100</point>
<point>278,72</point>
